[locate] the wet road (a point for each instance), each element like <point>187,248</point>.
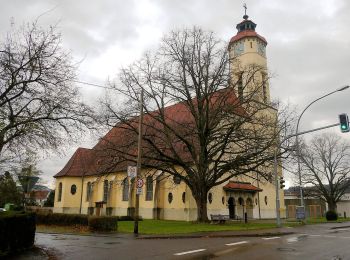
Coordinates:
<point>309,242</point>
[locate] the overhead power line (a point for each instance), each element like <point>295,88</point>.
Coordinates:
<point>91,84</point>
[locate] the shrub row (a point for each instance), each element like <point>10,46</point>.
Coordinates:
<point>104,223</point>
<point>17,232</point>
<point>61,219</point>
<point>331,215</point>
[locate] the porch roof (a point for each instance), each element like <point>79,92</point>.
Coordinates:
<point>241,186</point>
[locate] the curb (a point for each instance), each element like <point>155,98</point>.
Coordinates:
<point>340,227</point>
<point>116,235</point>
<point>267,234</point>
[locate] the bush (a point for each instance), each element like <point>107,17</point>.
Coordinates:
<point>128,218</point>
<point>17,232</point>
<point>62,219</point>
<point>331,215</point>
<point>104,223</point>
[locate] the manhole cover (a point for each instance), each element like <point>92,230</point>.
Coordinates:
<point>286,249</point>
<point>112,243</point>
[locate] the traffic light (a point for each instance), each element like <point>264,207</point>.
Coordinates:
<point>344,123</point>
<point>282,181</point>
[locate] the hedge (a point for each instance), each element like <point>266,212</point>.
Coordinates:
<point>61,219</point>
<point>331,215</point>
<point>17,231</point>
<point>104,223</point>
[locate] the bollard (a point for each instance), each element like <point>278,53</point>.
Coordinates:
<point>245,217</point>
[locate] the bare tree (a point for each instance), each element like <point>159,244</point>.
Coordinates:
<point>39,106</point>
<point>326,166</point>
<point>195,127</point>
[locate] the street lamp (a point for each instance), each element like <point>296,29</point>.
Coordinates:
<point>297,139</point>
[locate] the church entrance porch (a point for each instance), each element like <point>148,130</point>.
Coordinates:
<point>240,199</point>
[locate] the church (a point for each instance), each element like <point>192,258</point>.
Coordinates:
<point>81,189</point>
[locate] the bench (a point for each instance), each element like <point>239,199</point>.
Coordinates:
<point>219,218</point>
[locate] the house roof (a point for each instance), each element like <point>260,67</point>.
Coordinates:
<point>39,194</point>
<point>101,158</point>
<point>79,164</point>
<point>241,186</point>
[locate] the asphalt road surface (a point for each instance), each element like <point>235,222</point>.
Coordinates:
<point>310,242</point>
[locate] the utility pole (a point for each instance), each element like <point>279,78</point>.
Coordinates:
<point>278,214</point>
<point>138,172</point>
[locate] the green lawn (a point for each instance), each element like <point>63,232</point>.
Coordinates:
<point>162,227</point>
<point>165,227</point>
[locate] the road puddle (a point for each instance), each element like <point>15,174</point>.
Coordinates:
<point>296,239</point>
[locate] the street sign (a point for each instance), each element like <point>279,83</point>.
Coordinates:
<point>139,191</point>
<point>139,183</point>
<point>132,170</point>
<point>300,213</point>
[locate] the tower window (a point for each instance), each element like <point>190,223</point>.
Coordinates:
<point>251,45</point>
<point>264,88</point>
<point>240,87</point>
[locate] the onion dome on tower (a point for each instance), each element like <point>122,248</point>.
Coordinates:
<point>246,29</point>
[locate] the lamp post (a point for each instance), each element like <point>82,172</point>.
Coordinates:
<point>297,139</point>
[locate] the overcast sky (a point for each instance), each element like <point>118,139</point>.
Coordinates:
<point>308,43</point>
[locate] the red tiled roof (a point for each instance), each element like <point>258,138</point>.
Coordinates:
<point>101,158</point>
<point>246,33</point>
<point>79,164</point>
<point>241,186</point>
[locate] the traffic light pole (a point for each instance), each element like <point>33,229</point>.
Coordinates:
<point>278,214</point>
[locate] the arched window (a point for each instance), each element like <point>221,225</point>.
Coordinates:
<point>149,188</point>
<point>105,190</point>
<point>210,197</point>
<point>170,197</point>
<point>125,189</point>
<point>73,189</point>
<point>184,197</point>
<point>59,197</point>
<point>88,191</point>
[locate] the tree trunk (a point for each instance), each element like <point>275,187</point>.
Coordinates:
<point>201,201</point>
<point>332,205</point>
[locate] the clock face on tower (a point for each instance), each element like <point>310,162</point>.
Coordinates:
<point>239,48</point>
<point>261,49</point>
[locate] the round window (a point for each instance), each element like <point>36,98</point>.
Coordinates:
<point>210,197</point>
<point>265,199</point>
<point>177,180</point>
<point>184,197</point>
<point>170,197</point>
<point>73,189</point>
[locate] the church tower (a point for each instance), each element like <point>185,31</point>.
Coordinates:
<point>247,50</point>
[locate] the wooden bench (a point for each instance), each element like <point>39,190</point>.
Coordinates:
<point>219,218</point>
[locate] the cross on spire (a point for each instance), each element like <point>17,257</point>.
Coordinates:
<point>245,16</point>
